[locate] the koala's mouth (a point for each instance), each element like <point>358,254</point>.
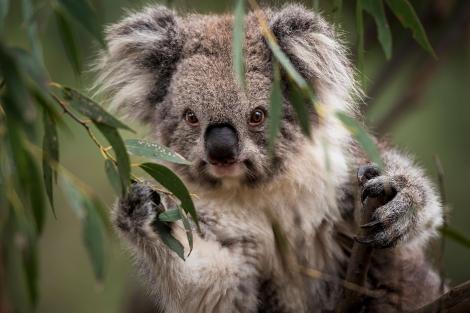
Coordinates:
<point>220,170</point>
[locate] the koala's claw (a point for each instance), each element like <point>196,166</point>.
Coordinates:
<point>139,206</point>
<point>367,172</point>
<point>394,219</point>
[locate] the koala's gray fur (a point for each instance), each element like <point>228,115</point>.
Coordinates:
<point>158,66</point>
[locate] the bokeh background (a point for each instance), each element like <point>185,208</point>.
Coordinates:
<point>422,104</point>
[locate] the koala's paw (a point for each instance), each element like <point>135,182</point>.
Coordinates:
<point>138,208</point>
<point>394,220</point>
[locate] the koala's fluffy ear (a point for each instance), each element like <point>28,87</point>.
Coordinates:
<point>135,71</point>
<point>316,52</point>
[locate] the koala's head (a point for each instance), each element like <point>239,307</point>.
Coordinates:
<point>175,74</point>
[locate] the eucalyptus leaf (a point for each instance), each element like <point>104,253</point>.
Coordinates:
<point>113,176</point>
<point>85,16</point>
<point>153,151</point>
<point>50,148</point>
<point>456,236</point>
<point>172,183</point>
<point>123,164</point>
<point>68,39</point>
<point>301,108</point>
<point>187,228</point>
<point>237,42</point>
<point>360,40</point>
<point>90,108</point>
<point>32,30</point>
<point>170,215</point>
<point>31,270</point>
<point>164,231</point>
<point>407,16</point>
<point>376,9</point>
<point>362,137</point>
<point>275,109</point>
<point>93,237</point>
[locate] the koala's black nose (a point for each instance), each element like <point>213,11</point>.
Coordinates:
<point>221,144</point>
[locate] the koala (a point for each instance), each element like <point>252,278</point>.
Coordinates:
<point>174,73</point>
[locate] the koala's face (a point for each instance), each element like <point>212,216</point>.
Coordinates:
<point>176,74</point>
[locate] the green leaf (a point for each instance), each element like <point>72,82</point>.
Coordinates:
<point>405,13</point>
<point>170,215</point>
<point>90,108</point>
<point>188,229</point>
<point>4,5</point>
<point>275,110</point>
<point>237,42</point>
<point>363,138</point>
<point>172,183</point>
<point>153,151</point>
<point>84,15</point>
<point>456,236</point>
<point>36,195</point>
<point>337,8</point>
<point>376,9</point>
<point>300,104</point>
<point>360,40</point>
<point>113,176</point>
<point>50,149</point>
<point>87,209</point>
<point>93,237</point>
<point>32,30</point>
<point>68,39</point>
<point>122,158</point>
<point>164,231</point>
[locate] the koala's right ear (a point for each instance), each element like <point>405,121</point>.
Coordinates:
<point>135,72</point>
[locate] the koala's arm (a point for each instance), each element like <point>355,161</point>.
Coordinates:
<point>213,278</point>
<point>413,213</point>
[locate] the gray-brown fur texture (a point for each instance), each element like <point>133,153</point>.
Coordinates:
<point>175,74</point>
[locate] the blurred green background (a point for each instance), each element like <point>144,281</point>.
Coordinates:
<point>433,118</point>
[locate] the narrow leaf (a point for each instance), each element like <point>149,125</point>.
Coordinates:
<point>376,9</point>
<point>301,109</point>
<point>363,138</point>
<point>275,110</point>
<point>4,5</point>
<point>172,183</point>
<point>90,108</point>
<point>113,176</point>
<point>153,151</point>
<point>188,229</point>
<point>50,147</point>
<point>164,231</point>
<point>237,42</point>
<point>31,270</point>
<point>405,13</point>
<point>456,236</point>
<point>94,238</point>
<point>85,16</point>
<point>36,194</point>
<point>123,164</point>
<point>170,215</point>
<point>32,30</point>
<point>68,39</point>
<point>85,206</point>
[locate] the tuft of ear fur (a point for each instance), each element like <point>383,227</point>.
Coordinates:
<point>135,71</point>
<point>318,54</point>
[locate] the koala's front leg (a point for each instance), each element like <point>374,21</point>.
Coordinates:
<point>213,278</point>
<point>413,212</point>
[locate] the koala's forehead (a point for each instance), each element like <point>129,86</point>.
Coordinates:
<point>204,75</point>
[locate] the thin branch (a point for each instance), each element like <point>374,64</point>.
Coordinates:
<point>456,300</point>
<point>361,255</point>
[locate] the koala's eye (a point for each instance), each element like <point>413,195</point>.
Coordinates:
<point>191,118</point>
<point>257,117</point>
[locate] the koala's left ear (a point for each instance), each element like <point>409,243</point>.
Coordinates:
<point>135,71</point>
<point>314,49</point>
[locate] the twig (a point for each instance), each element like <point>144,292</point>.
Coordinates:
<point>449,301</point>
<point>358,265</point>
